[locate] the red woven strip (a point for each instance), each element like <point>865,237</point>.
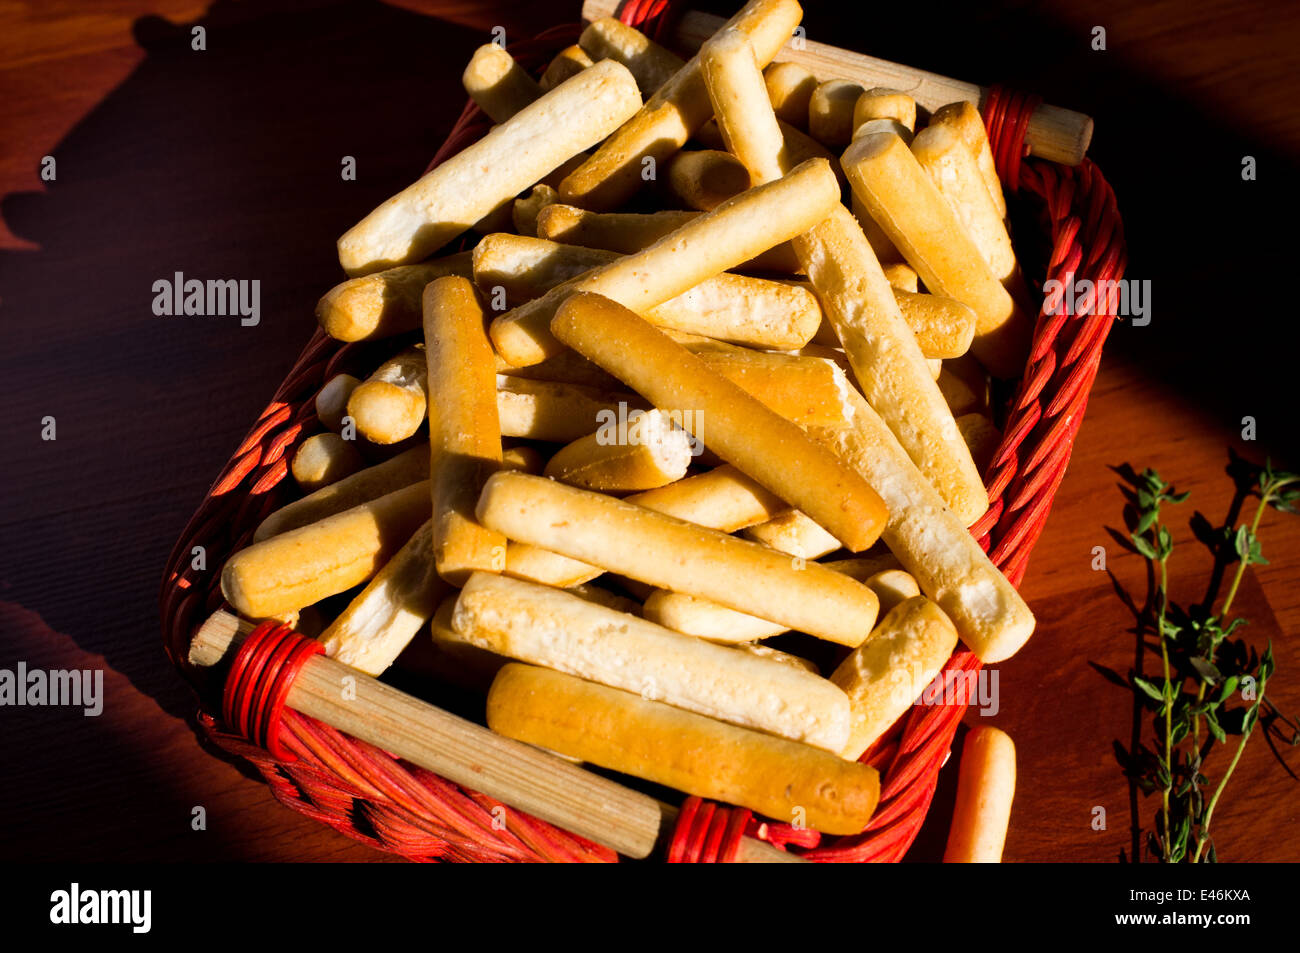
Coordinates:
<point>259,680</point>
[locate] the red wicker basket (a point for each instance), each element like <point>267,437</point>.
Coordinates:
<point>395,806</point>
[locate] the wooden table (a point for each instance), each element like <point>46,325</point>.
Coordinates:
<point>225,163</point>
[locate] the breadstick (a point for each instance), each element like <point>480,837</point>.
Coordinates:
<point>932,543</point>
<point>734,232</point>
<point>678,108</point>
<point>740,428</point>
<point>621,731</point>
<point>631,540</point>
<point>830,112</point>
<point>766,651</point>
<point>794,533</point>
<point>981,436</point>
<point>567,367</point>
<point>888,672</point>
<point>628,232</point>
<point>964,117</point>
<point>554,411</point>
<point>651,64</point>
<point>951,166</point>
<point>797,145</point>
<point>497,83</point>
<point>512,157</point>
<point>986,786</point>
<point>855,296</point>
<point>551,627</point>
<point>305,565</point>
<point>900,276</point>
<point>748,311</point>
<point>943,328</point>
<point>390,404</point>
<point>332,400</point>
<point>723,499</point>
<point>384,617</point>
<point>879,102</point>
<point>806,390</point>
<point>465,433</point>
<point>523,459</point>
<point>789,88</point>
<point>410,466</point>
<point>958,395</point>
<point>385,303</point>
<point>703,179</point>
<point>525,210</point>
<point>568,62</point>
<point>324,459</point>
<point>653,454</point>
<point>708,620</point>
<point>734,83</point>
<point>898,194</point>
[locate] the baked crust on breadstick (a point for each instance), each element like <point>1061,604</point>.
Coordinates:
<point>703,179</point>
<point>794,533</point>
<point>383,618</point>
<point>560,630</point>
<point>780,779</point>
<point>651,64</point>
<point>943,328</point>
<point>830,112</point>
<point>568,62</point>
<point>385,303</point>
<point>898,194</point>
<point>736,426</point>
<point>625,538</point>
<point>652,453</point>
<point>498,84</point>
<point>390,404</point>
<point>555,411</point>
<point>722,499</point>
<point>305,565</point>
<point>332,400</point>
<point>736,231</point>
<point>789,88</point>
<point>512,157</point>
<point>323,459</point>
<point>964,117</point>
<point>662,126</point>
<point>465,432</point>
<point>880,102</point>
<point>888,672</point>
<point>986,786</point>
<point>932,543</point>
<point>807,390</point>
<point>524,212</point>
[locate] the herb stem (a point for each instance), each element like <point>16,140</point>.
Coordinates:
<point>1223,782</point>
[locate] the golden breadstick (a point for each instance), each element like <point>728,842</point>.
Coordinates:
<point>986,786</point>
<point>880,102</point>
<point>410,466</point>
<point>740,428</point>
<point>965,119</point>
<point>830,112</point>
<point>525,210</point>
<point>981,436</point>
<point>734,232</point>
<point>673,554</point>
<point>789,87</point>
<point>932,543</point>
<point>854,293</point>
<point>383,618</point>
<point>806,390</point>
<point>888,672</point>
<point>794,533</point>
<point>305,565</point>
<point>785,658</point>
<point>708,620</point>
<point>943,328</point>
<point>455,660</point>
<point>567,367</point>
<point>727,307</point>
<point>565,632</point>
<point>628,232</point>
<point>723,499</point>
<point>797,145</point>
<point>952,168</point>
<point>703,179</point>
<point>497,83</point>
<point>870,126</point>
<point>332,400</point>
<point>610,39</point>
<point>652,453</point>
<point>390,404</point>
<point>899,195</point>
<point>465,433</point>
<point>568,62</point>
<point>324,459</point>
<point>385,303</point>
<point>554,411</point>
<point>618,168</point>
<point>900,276</point>
<point>780,779</point>
<point>512,157</point>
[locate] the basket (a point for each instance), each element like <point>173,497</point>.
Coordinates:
<point>401,808</point>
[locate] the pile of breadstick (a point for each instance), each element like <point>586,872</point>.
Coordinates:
<point>679,460</point>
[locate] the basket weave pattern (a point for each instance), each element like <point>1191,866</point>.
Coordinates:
<point>398,807</point>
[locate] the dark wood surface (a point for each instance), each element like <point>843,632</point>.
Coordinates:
<point>225,163</point>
